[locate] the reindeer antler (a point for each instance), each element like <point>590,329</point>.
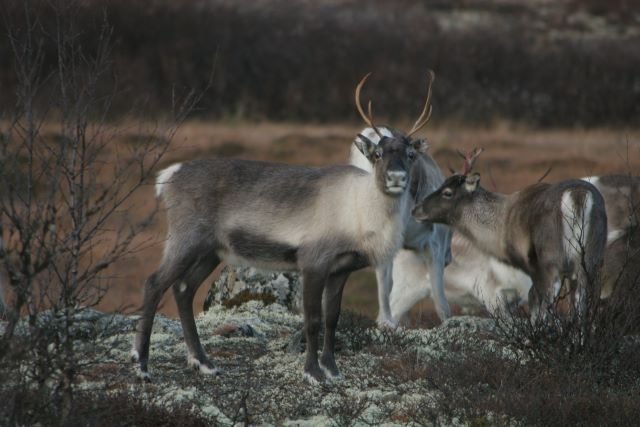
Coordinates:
<point>469,159</point>
<point>428,108</point>
<point>368,119</point>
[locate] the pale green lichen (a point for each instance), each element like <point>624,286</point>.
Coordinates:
<point>260,369</point>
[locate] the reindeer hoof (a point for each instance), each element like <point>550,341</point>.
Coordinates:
<point>312,380</point>
<point>314,376</point>
<point>329,368</point>
<point>331,374</point>
<point>204,366</point>
<point>143,375</point>
<point>387,324</point>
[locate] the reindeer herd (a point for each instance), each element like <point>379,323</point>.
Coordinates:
<point>391,209</point>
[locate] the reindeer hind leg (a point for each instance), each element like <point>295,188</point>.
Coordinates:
<point>184,292</point>
<point>171,270</point>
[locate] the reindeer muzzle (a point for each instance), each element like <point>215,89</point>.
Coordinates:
<point>396,181</point>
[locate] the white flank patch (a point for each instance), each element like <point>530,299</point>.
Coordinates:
<point>575,223</point>
<point>613,235</point>
<point>556,288</point>
<point>134,355</point>
<point>164,177</point>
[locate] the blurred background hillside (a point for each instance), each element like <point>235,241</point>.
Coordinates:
<point>539,62</point>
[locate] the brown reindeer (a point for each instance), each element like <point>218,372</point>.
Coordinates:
<point>552,232</point>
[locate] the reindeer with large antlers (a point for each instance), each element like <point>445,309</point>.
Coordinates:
<point>426,247</point>
<point>552,232</point>
<point>325,222</point>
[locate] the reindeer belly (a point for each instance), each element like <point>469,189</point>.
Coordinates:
<point>246,247</point>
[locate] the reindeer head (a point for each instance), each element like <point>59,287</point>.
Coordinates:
<point>446,204</point>
<point>392,156</point>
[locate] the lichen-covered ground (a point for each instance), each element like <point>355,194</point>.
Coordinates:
<point>462,372</point>
<point>262,381</point>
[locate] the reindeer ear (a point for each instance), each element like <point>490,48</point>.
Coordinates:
<point>365,145</point>
<point>471,182</point>
<point>420,145</point>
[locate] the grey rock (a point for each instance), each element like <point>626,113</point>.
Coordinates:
<point>229,330</point>
<point>236,285</point>
<point>296,343</point>
<point>165,325</point>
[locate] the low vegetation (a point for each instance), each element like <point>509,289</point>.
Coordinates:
<point>464,371</point>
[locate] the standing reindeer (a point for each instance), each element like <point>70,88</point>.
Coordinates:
<point>490,280</point>
<point>325,222</point>
<point>426,246</point>
<point>552,232</point>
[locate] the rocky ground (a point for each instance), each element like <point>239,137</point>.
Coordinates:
<point>262,379</point>
<point>256,340</point>
<point>462,372</point>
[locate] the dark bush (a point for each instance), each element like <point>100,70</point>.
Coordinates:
<point>29,407</point>
<point>282,60</point>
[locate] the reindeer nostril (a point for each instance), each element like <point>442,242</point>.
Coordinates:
<point>397,176</point>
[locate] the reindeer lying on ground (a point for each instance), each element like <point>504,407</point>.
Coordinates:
<point>472,272</point>
<point>552,232</point>
<point>418,269</point>
<point>325,222</point>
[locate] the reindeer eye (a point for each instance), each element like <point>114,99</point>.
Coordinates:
<point>447,193</point>
<point>377,154</point>
<point>411,154</point>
